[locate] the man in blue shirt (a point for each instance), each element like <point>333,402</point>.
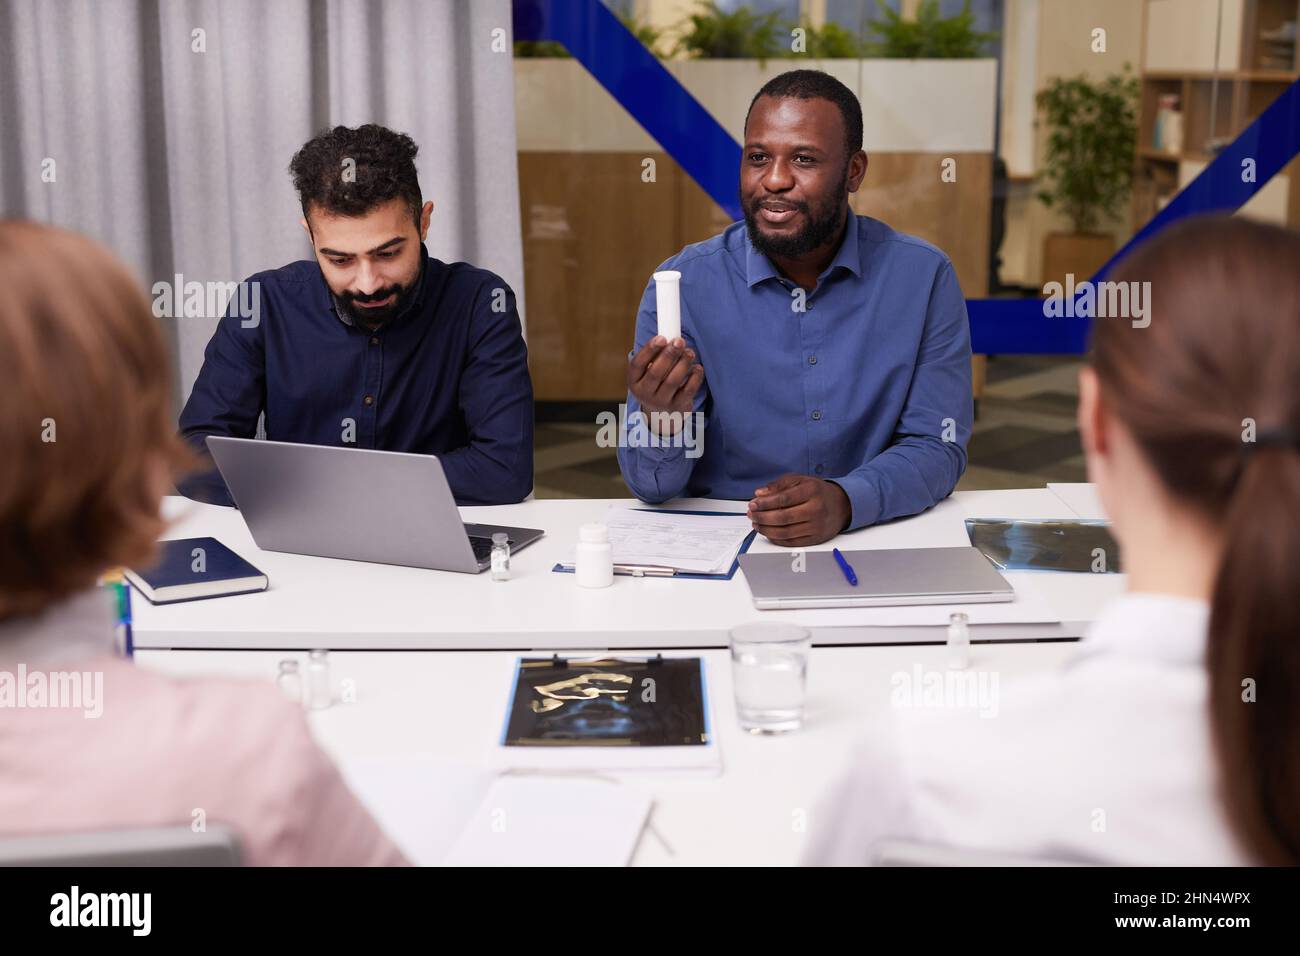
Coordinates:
<point>823,367</point>
<point>375,344</point>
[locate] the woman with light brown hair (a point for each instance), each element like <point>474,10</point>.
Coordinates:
<point>1208,396</point>
<point>87,450</point>
<point>1173,735</point>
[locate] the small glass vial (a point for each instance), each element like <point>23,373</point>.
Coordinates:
<point>500,556</point>
<point>958,642</point>
<point>319,694</point>
<point>289,680</point>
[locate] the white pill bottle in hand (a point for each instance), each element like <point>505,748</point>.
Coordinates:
<point>593,563</point>
<point>668,304</point>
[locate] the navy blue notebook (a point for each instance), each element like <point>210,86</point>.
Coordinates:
<point>191,569</point>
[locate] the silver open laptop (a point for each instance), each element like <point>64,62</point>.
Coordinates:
<point>382,506</point>
<point>885,577</point>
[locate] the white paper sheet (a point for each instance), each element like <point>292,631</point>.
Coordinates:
<point>421,801</point>
<point>700,543</point>
<point>545,821</point>
<point>443,814</point>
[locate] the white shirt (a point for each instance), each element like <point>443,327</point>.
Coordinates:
<point>1109,760</point>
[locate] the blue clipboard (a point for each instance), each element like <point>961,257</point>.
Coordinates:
<point>686,575</point>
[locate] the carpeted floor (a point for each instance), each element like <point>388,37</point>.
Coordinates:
<point>1025,435</point>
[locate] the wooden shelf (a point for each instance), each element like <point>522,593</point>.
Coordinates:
<point>1215,104</point>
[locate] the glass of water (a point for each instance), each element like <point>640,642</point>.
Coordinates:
<point>769,668</point>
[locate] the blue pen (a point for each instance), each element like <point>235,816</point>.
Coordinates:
<point>844,566</point>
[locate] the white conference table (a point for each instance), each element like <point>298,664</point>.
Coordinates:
<point>346,605</point>
<point>755,812</point>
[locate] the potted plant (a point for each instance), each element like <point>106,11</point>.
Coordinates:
<point>1088,168</point>
<point>928,36</point>
<point>831,41</point>
<point>718,34</point>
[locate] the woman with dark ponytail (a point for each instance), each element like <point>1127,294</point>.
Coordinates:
<point>1173,734</point>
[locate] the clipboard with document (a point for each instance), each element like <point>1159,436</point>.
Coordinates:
<point>649,542</point>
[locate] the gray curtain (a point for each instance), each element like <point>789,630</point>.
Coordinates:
<point>177,159</point>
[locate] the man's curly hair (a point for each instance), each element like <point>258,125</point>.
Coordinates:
<point>382,168</point>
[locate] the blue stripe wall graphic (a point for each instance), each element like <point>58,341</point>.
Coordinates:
<point>708,154</point>
<point>643,86</point>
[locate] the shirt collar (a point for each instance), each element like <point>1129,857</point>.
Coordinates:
<point>331,301</point>
<point>77,627</point>
<point>759,267</point>
<point>847,256</point>
<point>1153,626</point>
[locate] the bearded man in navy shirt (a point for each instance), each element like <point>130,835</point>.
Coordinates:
<point>375,344</point>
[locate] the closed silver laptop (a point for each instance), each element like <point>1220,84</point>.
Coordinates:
<point>355,503</point>
<point>796,579</point>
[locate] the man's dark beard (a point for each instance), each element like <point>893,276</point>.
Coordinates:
<point>373,318</point>
<point>821,228</point>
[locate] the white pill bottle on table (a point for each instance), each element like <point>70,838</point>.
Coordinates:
<point>593,562</point>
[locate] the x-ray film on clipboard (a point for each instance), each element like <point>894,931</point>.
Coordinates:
<point>1030,545</point>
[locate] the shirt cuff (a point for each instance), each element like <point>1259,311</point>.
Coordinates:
<point>654,474</point>
<point>864,499</point>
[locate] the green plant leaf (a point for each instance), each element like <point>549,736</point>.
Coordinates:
<point>929,36</point>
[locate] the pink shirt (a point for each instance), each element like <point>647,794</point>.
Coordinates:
<point>163,751</point>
